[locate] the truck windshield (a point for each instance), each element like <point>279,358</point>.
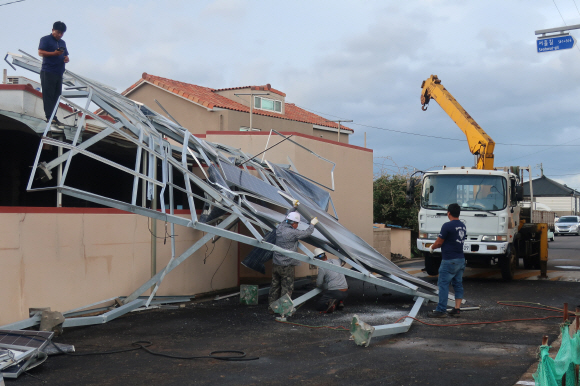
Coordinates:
<point>471,192</point>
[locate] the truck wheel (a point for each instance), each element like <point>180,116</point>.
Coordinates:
<point>508,264</point>
<point>432,264</point>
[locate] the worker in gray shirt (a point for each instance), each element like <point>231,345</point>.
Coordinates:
<point>287,236</point>
<point>333,283</point>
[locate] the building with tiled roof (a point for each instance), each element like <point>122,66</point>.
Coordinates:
<point>257,108</point>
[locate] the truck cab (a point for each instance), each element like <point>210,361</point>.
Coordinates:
<point>489,210</point>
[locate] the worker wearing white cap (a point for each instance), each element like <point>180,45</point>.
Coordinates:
<point>332,283</point>
<point>287,236</point>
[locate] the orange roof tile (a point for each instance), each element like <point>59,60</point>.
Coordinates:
<point>208,98</point>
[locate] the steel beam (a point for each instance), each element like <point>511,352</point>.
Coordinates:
<point>307,296</point>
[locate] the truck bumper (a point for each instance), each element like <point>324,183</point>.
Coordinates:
<point>476,248</point>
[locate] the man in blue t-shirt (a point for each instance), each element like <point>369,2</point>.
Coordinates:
<point>451,238</point>
<point>54,55</point>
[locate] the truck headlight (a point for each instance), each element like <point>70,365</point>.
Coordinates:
<point>422,235</point>
<point>431,236</point>
<point>494,238</point>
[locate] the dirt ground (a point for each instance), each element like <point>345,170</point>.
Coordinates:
<point>493,354</point>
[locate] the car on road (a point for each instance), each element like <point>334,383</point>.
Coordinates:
<point>568,225</point>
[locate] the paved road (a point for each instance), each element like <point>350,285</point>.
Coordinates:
<point>564,254</point>
<point>435,355</point>
<point>563,264</point>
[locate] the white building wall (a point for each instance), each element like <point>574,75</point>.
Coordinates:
<point>558,204</point>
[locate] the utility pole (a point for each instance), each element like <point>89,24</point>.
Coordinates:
<point>339,121</point>
<point>251,103</point>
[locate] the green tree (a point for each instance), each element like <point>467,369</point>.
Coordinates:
<point>390,205</point>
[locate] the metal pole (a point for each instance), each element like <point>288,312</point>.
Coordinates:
<point>154,226</point>
<point>58,179</point>
<point>339,121</point>
<point>251,103</point>
<point>267,143</point>
<point>531,195</point>
<point>365,139</point>
<point>557,29</point>
<point>565,312</point>
<point>143,182</point>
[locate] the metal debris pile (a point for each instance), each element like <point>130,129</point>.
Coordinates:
<point>236,186</point>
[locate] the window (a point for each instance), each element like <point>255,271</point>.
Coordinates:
<point>268,104</point>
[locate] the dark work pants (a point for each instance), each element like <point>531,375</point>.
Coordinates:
<point>51,89</point>
<point>322,303</point>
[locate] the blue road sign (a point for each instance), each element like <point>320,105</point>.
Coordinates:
<point>556,44</point>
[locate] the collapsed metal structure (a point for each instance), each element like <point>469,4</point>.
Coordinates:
<point>232,193</point>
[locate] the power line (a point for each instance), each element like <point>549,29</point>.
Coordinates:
<point>12,2</point>
<point>576,7</point>
<point>554,1</point>
<point>434,136</point>
<point>559,12</point>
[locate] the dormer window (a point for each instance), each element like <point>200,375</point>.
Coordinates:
<point>267,104</point>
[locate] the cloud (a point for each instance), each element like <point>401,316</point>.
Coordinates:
<point>362,61</point>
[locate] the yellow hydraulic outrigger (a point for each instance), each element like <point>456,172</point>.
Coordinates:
<point>480,144</point>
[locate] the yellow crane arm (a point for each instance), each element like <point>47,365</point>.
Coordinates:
<point>479,142</point>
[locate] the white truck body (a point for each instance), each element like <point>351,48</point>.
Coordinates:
<point>488,209</point>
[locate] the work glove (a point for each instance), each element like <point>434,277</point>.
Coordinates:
<point>295,203</point>
<point>431,249</point>
<point>314,221</point>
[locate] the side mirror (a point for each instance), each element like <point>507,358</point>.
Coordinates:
<point>410,192</point>
<point>519,193</point>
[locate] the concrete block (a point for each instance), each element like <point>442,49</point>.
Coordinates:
<point>249,294</point>
<point>361,331</point>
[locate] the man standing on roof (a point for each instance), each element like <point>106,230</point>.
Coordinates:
<point>450,239</point>
<point>333,284</point>
<point>287,236</point>
<point>54,55</point>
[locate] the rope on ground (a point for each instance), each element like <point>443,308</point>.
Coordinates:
<point>335,328</point>
<point>501,302</point>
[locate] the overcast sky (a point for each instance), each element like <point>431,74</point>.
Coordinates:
<point>356,60</point>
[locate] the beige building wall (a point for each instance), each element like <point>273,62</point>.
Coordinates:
<point>245,99</point>
<point>401,242</point>
<point>198,119</point>
<point>353,175</point>
<point>382,241</point>
<point>67,260</point>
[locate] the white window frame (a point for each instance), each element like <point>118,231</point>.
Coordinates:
<point>273,100</point>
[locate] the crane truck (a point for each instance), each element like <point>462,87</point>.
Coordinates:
<point>499,230</point>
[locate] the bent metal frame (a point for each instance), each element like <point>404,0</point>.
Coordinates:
<point>257,202</point>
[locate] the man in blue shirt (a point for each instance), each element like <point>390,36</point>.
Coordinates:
<point>451,238</point>
<point>54,55</point>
